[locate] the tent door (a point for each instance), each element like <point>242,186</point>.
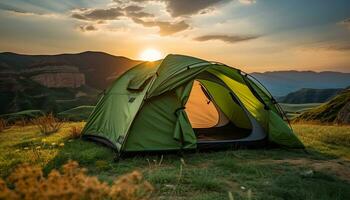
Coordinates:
<point>208,120</point>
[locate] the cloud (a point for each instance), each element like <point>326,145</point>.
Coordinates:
<point>20,12</point>
<point>247,1</point>
<point>343,46</point>
<point>345,23</point>
<point>185,7</point>
<point>113,13</point>
<point>226,38</point>
<point>133,8</point>
<point>85,28</point>
<point>165,28</point>
<point>98,14</point>
<point>139,14</point>
<point>179,8</point>
<point>338,47</point>
<point>134,12</point>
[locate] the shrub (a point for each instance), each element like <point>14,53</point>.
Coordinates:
<point>47,124</point>
<point>28,182</point>
<point>3,124</point>
<point>75,132</point>
<point>21,122</point>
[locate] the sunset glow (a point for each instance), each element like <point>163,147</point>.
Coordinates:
<point>241,33</point>
<point>151,55</point>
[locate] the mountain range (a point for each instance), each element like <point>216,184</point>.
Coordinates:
<point>56,82</point>
<point>99,68</point>
<point>309,95</point>
<point>64,81</point>
<point>280,83</point>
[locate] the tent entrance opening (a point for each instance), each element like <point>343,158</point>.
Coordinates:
<point>215,114</point>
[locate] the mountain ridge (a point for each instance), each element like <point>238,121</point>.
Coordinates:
<point>97,70</point>
<point>310,95</point>
<point>280,83</point>
<point>56,82</point>
<point>336,110</point>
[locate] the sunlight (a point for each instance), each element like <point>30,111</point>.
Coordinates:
<point>151,55</point>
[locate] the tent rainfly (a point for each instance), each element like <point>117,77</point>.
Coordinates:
<point>183,102</point>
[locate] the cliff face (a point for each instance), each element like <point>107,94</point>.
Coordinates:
<point>96,66</point>
<point>60,80</point>
<point>56,76</point>
<point>55,83</point>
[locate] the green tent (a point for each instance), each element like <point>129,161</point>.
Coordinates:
<point>183,102</point>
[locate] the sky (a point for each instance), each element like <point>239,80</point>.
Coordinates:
<point>253,35</point>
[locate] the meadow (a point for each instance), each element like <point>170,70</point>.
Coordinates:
<point>320,172</point>
<point>294,110</point>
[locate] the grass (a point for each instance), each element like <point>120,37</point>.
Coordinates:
<point>322,173</point>
<point>25,114</point>
<point>79,113</point>
<point>294,110</point>
<point>331,140</point>
<point>327,112</point>
<point>47,124</point>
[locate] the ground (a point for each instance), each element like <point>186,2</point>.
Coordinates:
<point>320,172</point>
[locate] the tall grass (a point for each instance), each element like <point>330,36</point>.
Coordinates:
<point>75,132</point>
<point>47,124</point>
<point>325,133</point>
<point>3,124</point>
<point>71,182</point>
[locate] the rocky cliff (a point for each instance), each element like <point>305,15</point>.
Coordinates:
<point>54,83</point>
<point>60,80</point>
<point>56,76</point>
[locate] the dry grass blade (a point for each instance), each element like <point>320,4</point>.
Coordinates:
<point>72,182</point>
<point>47,124</point>
<point>75,132</point>
<point>3,124</point>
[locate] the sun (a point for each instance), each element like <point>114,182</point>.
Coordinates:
<point>151,55</point>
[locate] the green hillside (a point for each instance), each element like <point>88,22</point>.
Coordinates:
<point>30,95</point>
<point>308,95</point>
<point>330,111</point>
<point>79,113</point>
<point>294,110</point>
<point>25,114</point>
<point>55,83</point>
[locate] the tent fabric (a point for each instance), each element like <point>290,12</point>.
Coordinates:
<point>201,111</point>
<point>183,76</point>
<point>280,133</point>
<point>237,85</point>
<point>115,111</point>
<point>154,125</point>
<point>222,97</point>
<point>183,131</point>
<point>144,108</point>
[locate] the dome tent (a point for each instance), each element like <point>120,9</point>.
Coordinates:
<point>183,102</point>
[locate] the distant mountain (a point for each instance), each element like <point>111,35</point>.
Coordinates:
<point>308,95</point>
<point>337,110</point>
<point>56,82</point>
<point>280,83</point>
<point>99,68</point>
<point>64,81</point>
